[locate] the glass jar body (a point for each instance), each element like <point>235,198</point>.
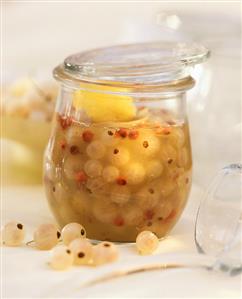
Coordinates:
<point>118,175</point>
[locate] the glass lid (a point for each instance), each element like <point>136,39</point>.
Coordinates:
<point>144,63</point>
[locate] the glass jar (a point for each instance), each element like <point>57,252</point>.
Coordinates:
<point>119,157</point>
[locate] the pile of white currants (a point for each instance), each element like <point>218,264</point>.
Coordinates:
<point>75,249</point>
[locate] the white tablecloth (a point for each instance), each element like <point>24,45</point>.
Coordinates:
<point>25,272</point>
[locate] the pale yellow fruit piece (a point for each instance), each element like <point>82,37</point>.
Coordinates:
<point>21,87</point>
<point>102,107</point>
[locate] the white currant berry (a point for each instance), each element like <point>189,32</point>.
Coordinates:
<point>105,252</point>
<point>108,137</point>
<point>177,137</point>
<point>148,144</point>
<point>119,156</point>
<point>46,236</point>
<point>120,194</point>
<point>110,173</point>
<point>164,210</point>
<point>147,242</point>
<point>61,258</point>
<point>168,154</point>
<point>134,173</point>
<point>72,231</point>
<point>104,211</point>
<point>132,214</point>
<point>72,164</point>
<point>97,186</point>
<point>82,250</point>
<point>74,134</point>
<point>96,150</point>
<point>93,168</point>
<point>13,234</point>
<point>154,169</point>
<point>147,197</point>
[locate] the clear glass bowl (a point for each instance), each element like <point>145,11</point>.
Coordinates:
<point>119,157</point>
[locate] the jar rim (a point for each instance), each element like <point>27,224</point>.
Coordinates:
<point>136,67</point>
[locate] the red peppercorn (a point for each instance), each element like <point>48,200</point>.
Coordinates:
<point>122,133</point>
<point>169,161</point>
<point>65,121</point>
<point>81,177</point>
<point>171,215</point>
<point>166,131</point>
<point>87,136</point>
<point>63,144</point>
<point>149,214</point>
<point>133,134</point>
<point>121,181</point>
<point>74,150</point>
<point>118,221</point>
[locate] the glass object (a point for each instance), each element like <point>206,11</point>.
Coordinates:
<point>119,157</point>
<point>219,220</point>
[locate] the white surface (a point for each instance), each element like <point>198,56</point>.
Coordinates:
<point>27,275</point>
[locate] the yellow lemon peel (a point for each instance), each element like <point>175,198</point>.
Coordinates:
<point>102,107</point>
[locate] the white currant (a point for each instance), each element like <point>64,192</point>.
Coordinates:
<point>72,231</point>
<point>147,242</point>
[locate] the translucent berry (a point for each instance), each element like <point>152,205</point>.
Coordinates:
<point>154,169</point>
<point>164,210</point>
<point>147,197</point>
<point>133,215</point>
<point>61,258</point>
<point>104,211</point>
<point>147,242</point>
<point>168,154</point>
<point>108,137</point>
<point>134,173</point>
<point>13,234</point>
<point>110,174</point>
<point>120,194</point>
<point>93,168</point>
<point>97,186</point>
<point>72,231</point>
<point>148,144</point>
<point>105,252</point>
<point>72,165</point>
<point>119,156</point>
<point>46,236</point>
<point>96,150</point>
<point>82,250</point>
<point>177,137</point>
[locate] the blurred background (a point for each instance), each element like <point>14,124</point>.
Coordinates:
<point>38,36</point>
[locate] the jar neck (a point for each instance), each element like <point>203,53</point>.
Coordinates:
<point>160,89</point>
